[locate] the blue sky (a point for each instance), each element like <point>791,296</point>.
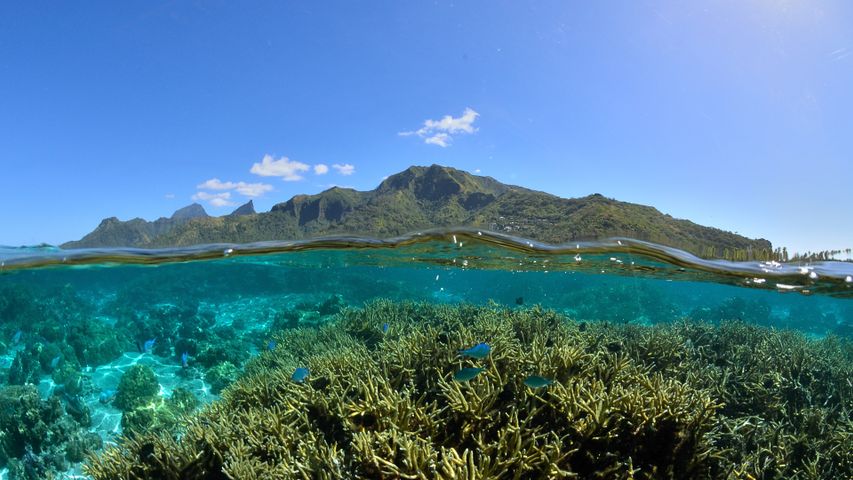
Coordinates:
<point>736,114</point>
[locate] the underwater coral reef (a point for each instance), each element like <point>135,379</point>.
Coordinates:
<point>419,390</point>
<point>80,366</point>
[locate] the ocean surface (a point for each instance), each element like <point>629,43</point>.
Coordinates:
<point>73,322</point>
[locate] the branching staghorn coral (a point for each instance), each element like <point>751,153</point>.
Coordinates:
<point>680,400</point>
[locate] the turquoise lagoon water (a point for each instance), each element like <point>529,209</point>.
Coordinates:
<point>72,322</point>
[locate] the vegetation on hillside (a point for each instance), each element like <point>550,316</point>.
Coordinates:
<point>428,197</point>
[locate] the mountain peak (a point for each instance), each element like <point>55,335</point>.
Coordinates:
<point>247,208</point>
<point>189,212</point>
<point>437,182</point>
<point>422,197</point>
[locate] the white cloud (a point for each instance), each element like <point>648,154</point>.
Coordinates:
<point>440,139</point>
<point>221,199</point>
<point>345,169</point>
<point>243,188</point>
<point>448,124</point>
<point>169,196</point>
<point>321,169</point>
<point>289,170</point>
<point>216,184</point>
<point>439,132</point>
<point>253,189</point>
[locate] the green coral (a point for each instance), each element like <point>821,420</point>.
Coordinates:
<point>138,387</point>
<point>35,434</point>
<point>160,416</point>
<point>221,375</point>
<point>682,400</point>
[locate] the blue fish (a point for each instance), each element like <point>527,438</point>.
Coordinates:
<point>271,345</point>
<point>107,396</point>
<point>184,357</point>
<point>467,374</point>
<point>299,375</point>
<point>535,381</point>
<point>480,350</point>
<point>385,327</point>
<point>148,345</point>
<point>55,362</point>
<point>17,337</point>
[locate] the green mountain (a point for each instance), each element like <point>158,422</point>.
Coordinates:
<point>247,208</point>
<point>426,197</point>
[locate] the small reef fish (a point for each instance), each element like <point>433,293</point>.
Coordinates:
<point>535,381</point>
<point>17,337</point>
<point>385,327</point>
<point>480,350</point>
<point>107,396</point>
<point>184,358</point>
<point>271,345</point>
<point>55,362</point>
<point>148,345</point>
<point>299,375</point>
<point>467,374</point>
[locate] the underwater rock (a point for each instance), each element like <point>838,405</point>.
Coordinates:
<point>138,386</point>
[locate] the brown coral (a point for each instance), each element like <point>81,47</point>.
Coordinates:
<point>683,400</point>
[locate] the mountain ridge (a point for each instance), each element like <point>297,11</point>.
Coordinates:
<point>426,197</point>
